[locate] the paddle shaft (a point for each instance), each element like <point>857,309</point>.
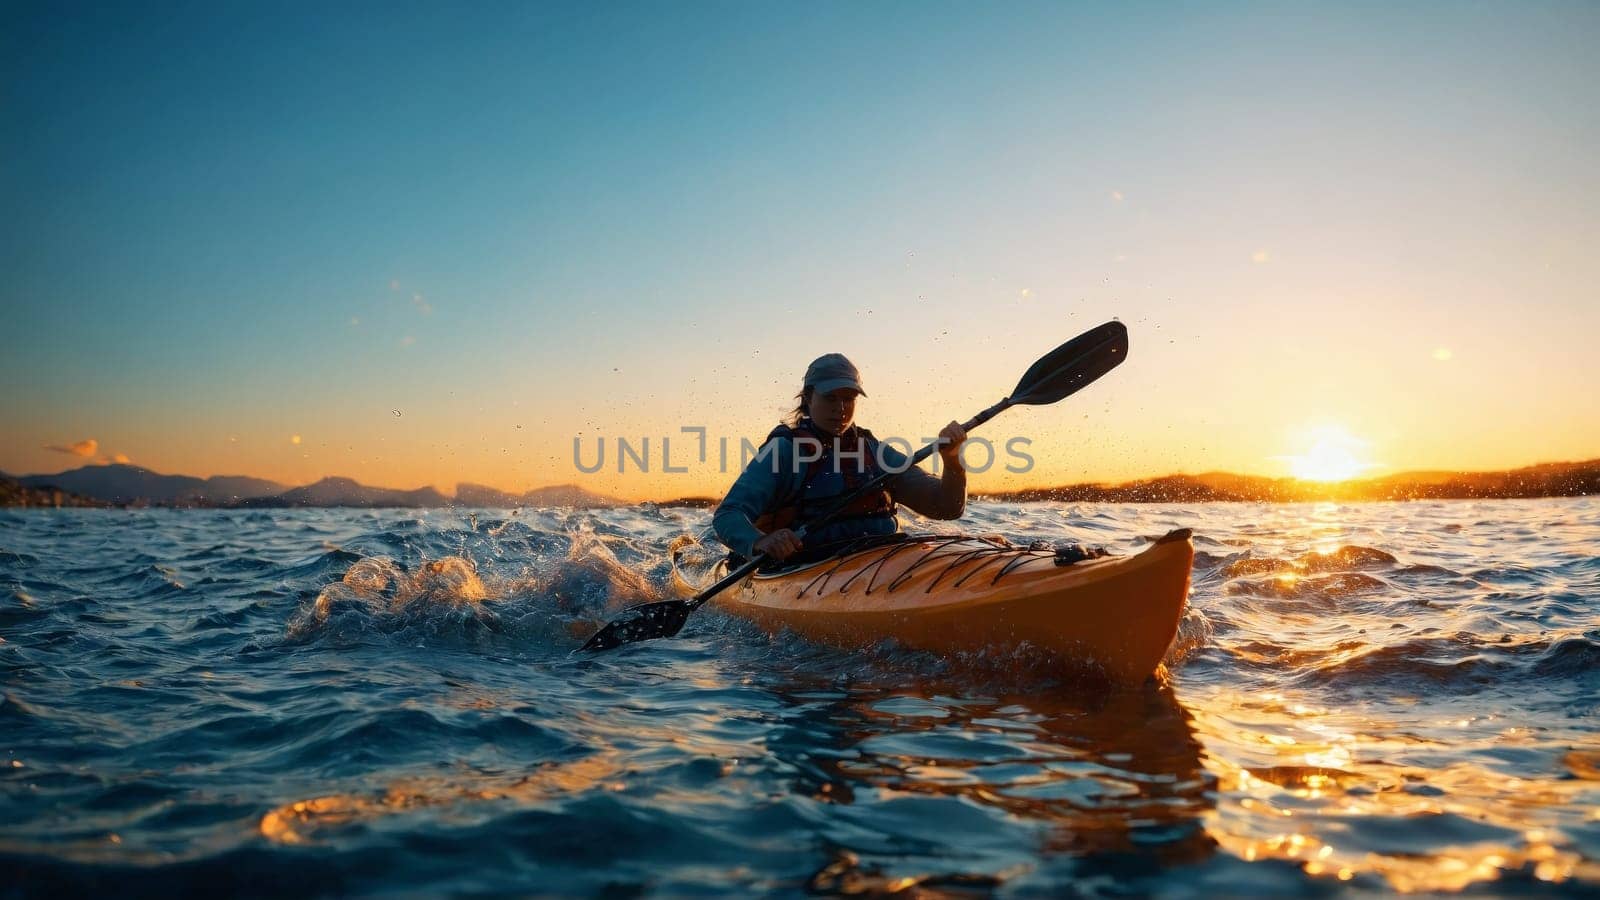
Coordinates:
<point>872,484</point>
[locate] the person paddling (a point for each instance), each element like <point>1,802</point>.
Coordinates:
<point>819,455</point>
<point>1053,377</point>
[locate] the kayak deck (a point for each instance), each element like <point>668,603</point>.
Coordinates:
<point>1117,614</point>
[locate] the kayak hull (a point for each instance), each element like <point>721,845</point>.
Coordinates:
<point>1114,615</point>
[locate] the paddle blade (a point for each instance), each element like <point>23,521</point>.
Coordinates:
<point>1073,365</point>
<point>644,622</point>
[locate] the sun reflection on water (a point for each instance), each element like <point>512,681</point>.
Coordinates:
<point>1317,769</point>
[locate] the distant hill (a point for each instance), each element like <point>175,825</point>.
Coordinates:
<point>481,496</point>
<point>15,493</point>
<point>1545,480</point>
<point>124,485</point>
<point>690,503</point>
<point>347,492</point>
<point>477,495</point>
<point>222,488</point>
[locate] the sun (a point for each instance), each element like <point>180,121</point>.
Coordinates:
<point>1334,455</point>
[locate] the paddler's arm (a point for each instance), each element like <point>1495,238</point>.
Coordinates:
<point>944,497</point>
<point>756,490</point>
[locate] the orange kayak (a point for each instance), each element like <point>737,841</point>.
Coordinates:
<point>1114,614</point>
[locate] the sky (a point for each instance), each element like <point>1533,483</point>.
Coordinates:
<point>433,243</point>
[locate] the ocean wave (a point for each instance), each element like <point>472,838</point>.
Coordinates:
<point>315,701</point>
<point>1321,588</point>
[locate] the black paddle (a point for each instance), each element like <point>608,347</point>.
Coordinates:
<point>1056,376</point>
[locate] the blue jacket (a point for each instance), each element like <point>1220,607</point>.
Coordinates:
<point>776,475</point>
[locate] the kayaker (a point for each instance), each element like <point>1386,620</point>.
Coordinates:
<point>820,454</point>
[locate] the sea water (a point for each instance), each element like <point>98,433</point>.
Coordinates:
<point>1387,696</point>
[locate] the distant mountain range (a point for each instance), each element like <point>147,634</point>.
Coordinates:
<point>477,495</point>
<point>14,493</point>
<point>1546,480</point>
<point>125,485</point>
<point>347,492</point>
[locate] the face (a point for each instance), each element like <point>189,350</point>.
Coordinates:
<point>834,411</point>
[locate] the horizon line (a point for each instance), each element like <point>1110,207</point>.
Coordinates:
<point>694,496</point>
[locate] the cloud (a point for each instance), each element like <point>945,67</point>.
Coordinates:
<point>85,448</point>
<point>121,458</point>
<point>421,303</point>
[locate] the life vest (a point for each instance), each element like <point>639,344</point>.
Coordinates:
<point>825,481</point>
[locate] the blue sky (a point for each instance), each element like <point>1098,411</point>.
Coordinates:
<point>235,223</point>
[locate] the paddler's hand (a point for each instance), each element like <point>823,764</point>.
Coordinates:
<point>950,438</point>
<point>779,545</point>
